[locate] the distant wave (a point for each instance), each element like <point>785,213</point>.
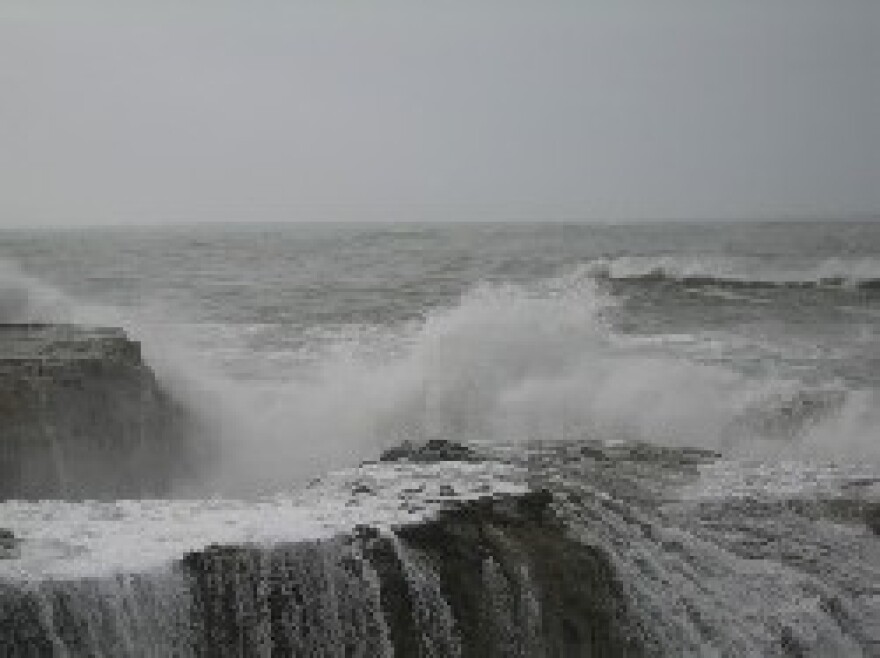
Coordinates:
<point>740,272</point>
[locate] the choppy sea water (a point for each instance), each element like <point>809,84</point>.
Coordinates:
<point>326,341</point>
<point>309,348</point>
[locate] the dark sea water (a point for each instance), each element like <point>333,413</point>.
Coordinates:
<point>326,341</point>
<point>309,348</point>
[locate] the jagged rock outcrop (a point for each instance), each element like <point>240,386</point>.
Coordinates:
<point>81,416</point>
<point>434,450</point>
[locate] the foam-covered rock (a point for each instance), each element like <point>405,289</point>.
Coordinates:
<point>488,572</point>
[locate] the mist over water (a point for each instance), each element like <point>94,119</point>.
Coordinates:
<point>26,299</point>
<point>306,349</point>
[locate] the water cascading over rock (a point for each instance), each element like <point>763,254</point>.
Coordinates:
<point>492,577</point>
<point>82,416</point>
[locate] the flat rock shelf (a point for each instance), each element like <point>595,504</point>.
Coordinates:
<point>403,559</point>
<point>82,416</point>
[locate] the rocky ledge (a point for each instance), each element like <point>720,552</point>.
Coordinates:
<point>485,577</point>
<point>573,548</point>
<point>82,416</point>
<point>434,450</point>
<point>406,558</point>
<point>497,576</point>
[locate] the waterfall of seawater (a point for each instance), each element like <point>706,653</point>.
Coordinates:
<point>512,618</point>
<point>738,576</point>
<point>143,615</point>
<point>361,595</point>
<point>606,565</point>
<point>312,599</point>
<point>304,600</point>
<point>433,615</point>
<point>318,599</point>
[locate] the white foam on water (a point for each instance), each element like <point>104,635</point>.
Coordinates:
<point>63,539</point>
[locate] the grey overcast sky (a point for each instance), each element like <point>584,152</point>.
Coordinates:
<point>139,111</point>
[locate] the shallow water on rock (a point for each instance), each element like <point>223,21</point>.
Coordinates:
<point>92,538</point>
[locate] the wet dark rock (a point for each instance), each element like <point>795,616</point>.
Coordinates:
<point>497,576</point>
<point>435,450</point>
<point>594,452</point>
<point>8,544</point>
<point>398,453</point>
<point>600,558</point>
<point>514,581</point>
<point>82,416</point>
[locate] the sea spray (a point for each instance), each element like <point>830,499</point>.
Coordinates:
<point>522,363</point>
<point>25,299</point>
<point>536,361</point>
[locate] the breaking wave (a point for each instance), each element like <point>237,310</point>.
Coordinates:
<point>26,299</point>
<point>505,363</point>
<point>741,272</point>
<point>530,363</point>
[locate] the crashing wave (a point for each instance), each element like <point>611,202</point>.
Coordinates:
<point>505,363</point>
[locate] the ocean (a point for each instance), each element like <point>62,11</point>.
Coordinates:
<point>309,348</point>
<point>327,342</point>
